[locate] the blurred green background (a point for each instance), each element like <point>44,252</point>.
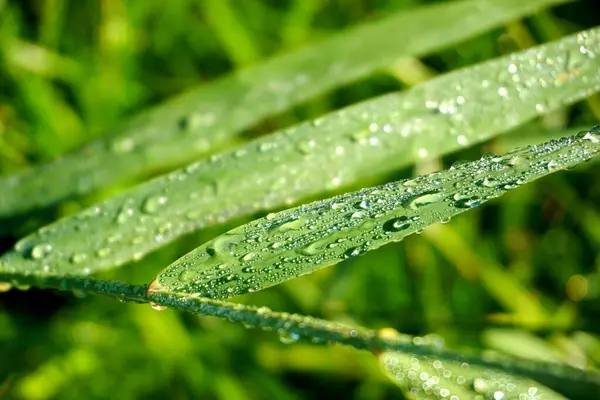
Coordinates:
<point>519,275</point>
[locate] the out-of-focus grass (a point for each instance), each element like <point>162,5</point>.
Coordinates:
<point>69,70</point>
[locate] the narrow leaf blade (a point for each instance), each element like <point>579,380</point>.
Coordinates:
<point>358,142</point>
<point>424,377</point>
<point>207,118</point>
<point>300,240</point>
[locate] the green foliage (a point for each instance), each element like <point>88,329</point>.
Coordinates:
<point>505,263</point>
<point>203,120</point>
<point>354,143</point>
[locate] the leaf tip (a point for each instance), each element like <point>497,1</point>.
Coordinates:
<point>154,287</point>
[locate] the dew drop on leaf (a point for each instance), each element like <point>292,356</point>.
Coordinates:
<point>466,201</point>
<point>153,204</point>
<point>158,307</point>
<point>424,200</point>
<point>288,337</point>
<point>40,251</point>
<point>396,224</point>
<point>78,258</point>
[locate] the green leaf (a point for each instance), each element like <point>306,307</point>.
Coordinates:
<point>361,141</point>
<point>300,240</point>
<point>207,118</point>
<point>424,377</point>
<point>292,327</point>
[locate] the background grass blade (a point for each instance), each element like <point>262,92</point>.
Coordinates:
<point>300,240</point>
<point>206,119</point>
<point>358,142</point>
<point>428,349</point>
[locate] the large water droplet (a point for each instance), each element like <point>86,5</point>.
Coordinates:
<point>488,182</point>
<point>153,204</point>
<point>396,224</point>
<point>466,201</point>
<point>40,251</point>
<point>424,200</point>
<point>78,258</point>
<point>593,135</point>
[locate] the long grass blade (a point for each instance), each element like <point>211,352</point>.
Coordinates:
<point>207,118</point>
<point>429,378</point>
<point>301,240</point>
<point>390,344</point>
<point>361,141</point>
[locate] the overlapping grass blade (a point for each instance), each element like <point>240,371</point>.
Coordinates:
<point>361,141</point>
<point>300,240</point>
<point>424,377</point>
<point>564,378</point>
<point>202,120</point>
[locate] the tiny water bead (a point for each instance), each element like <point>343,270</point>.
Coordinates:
<point>122,145</point>
<point>286,337</point>
<point>153,204</point>
<point>78,258</point>
<point>41,250</point>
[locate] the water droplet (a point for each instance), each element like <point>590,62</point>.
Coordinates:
<point>364,205</point>
<point>103,252</point>
<point>124,215</point>
<point>593,135</point>
<point>78,258</point>
<point>289,225</point>
<point>40,251</point>
<point>122,145</point>
<point>153,204</point>
<point>288,337</point>
<point>250,256</point>
<point>424,200</point>
<point>338,206</point>
<point>466,201</point>
<point>396,224</point>
<point>158,307</point>
<point>352,252</point>
<point>488,182</point>
<point>307,147</point>
<point>553,165</point>
<point>539,108</point>
<point>316,122</point>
